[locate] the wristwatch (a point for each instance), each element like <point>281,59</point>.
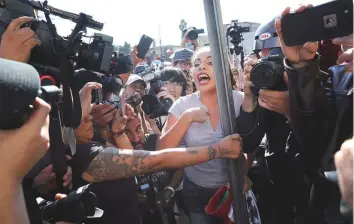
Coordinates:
<point>117,134</point>
<point>171,189</point>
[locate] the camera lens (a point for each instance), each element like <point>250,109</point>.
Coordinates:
<point>265,75</point>
<point>192,35</point>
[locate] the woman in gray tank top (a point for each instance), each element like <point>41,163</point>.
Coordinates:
<point>194,120</point>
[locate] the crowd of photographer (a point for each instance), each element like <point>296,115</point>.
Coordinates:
<point>124,149</point>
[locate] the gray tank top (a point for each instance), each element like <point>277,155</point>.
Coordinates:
<point>211,174</point>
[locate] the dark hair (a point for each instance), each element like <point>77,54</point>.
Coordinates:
<point>82,77</point>
<point>111,85</point>
<point>173,74</point>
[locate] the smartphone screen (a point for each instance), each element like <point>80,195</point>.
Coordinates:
<point>323,22</point>
<point>144,46</point>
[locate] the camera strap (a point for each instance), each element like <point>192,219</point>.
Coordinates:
<point>57,149</point>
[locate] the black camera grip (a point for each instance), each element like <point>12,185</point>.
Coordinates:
<point>57,149</point>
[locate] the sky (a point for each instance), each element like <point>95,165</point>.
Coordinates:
<point>127,20</point>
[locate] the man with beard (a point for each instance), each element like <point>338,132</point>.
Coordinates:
<point>182,60</point>
<point>166,181</point>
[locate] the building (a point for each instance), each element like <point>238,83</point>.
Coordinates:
<point>248,37</point>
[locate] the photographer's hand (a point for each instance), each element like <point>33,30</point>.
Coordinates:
<point>277,101</point>
<point>86,97</point>
<point>103,114</point>
<point>45,181</point>
<point>135,59</point>
<point>297,55</point>
<point>153,125</point>
<point>344,165</point>
<point>165,94</point>
<point>23,147</point>
<point>17,42</point>
<point>121,117</point>
<point>249,100</point>
<point>184,41</point>
<point>347,56</point>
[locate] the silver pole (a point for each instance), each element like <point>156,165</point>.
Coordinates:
<point>216,34</point>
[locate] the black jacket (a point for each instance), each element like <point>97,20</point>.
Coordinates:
<point>321,110</point>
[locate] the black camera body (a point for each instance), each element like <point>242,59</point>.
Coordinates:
<point>192,33</point>
<point>76,207</point>
<point>235,32</point>
<point>121,64</point>
<point>152,106</point>
<point>268,73</point>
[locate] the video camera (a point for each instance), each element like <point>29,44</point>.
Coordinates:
<point>235,32</point>
<point>56,60</point>
<point>192,33</point>
<point>152,106</point>
<point>120,64</point>
<point>95,56</point>
<point>75,208</point>
<point>268,72</point>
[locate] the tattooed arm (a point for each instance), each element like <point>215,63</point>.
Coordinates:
<point>112,163</point>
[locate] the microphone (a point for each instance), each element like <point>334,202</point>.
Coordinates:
<point>19,86</point>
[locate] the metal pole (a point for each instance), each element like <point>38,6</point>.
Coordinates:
<point>216,34</point>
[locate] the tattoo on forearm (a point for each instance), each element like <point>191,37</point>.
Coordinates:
<point>112,164</point>
<point>211,153</point>
<point>192,152</point>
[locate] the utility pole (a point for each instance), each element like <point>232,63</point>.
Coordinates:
<point>216,35</point>
<point>161,50</point>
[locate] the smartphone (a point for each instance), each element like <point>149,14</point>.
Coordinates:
<point>144,46</point>
<point>97,96</point>
<point>323,22</point>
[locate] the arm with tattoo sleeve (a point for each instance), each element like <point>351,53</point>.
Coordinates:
<point>112,163</point>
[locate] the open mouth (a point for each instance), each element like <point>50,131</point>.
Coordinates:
<point>203,78</point>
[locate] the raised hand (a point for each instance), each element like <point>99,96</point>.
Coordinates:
<point>300,53</point>
<point>86,97</point>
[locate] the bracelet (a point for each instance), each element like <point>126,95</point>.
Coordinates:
<point>171,189</point>
<point>117,134</point>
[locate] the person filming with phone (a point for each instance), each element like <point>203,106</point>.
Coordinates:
<point>320,109</point>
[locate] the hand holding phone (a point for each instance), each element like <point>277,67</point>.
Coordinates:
<point>323,22</point>
<point>298,53</point>
<point>144,46</point>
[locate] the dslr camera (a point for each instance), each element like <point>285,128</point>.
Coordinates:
<point>152,106</point>
<point>268,73</point>
<point>76,207</point>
